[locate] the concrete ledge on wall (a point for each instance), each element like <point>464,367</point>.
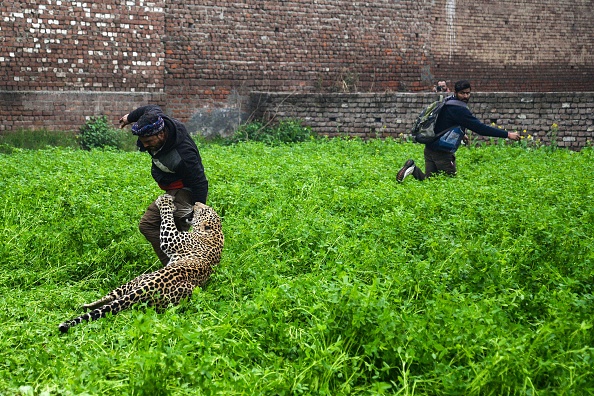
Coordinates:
<point>216,122</point>
<point>210,118</point>
<point>67,110</point>
<point>381,115</point>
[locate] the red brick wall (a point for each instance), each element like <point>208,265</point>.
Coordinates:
<point>205,55</point>
<point>81,45</point>
<point>66,111</point>
<point>515,46</point>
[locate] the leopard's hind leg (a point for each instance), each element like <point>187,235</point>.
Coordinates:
<point>102,301</point>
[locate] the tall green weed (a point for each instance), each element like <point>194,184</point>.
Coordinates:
<point>35,140</point>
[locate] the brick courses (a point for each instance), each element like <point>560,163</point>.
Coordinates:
<point>72,45</point>
<point>369,115</point>
<point>205,55</point>
<point>66,111</point>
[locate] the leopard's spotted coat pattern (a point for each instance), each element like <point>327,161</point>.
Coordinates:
<point>192,258</point>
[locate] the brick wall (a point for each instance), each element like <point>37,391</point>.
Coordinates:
<point>77,45</point>
<point>393,114</point>
<point>66,111</point>
<point>207,56</point>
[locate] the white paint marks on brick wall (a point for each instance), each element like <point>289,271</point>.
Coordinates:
<point>450,19</point>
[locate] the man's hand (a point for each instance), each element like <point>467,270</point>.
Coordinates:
<point>513,135</point>
<point>124,121</point>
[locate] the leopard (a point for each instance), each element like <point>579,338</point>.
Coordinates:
<point>193,255</point>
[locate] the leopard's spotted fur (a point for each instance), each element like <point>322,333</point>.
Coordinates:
<point>192,258</point>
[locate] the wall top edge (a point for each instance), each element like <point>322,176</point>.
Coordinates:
<point>288,93</point>
<point>48,92</point>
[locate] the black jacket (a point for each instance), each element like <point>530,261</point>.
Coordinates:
<point>177,164</point>
<point>450,116</point>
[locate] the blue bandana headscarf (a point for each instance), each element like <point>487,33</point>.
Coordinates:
<point>149,129</point>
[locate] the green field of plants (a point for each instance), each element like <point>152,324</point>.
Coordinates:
<point>334,279</point>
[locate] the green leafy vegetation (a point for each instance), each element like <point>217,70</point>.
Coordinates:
<point>98,132</point>
<point>334,280</point>
<point>286,131</point>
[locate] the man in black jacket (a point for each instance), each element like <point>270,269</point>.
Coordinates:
<point>438,159</point>
<point>177,168</point>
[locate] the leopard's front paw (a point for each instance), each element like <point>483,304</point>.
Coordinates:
<point>164,200</point>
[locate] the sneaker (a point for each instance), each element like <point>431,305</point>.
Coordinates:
<point>407,169</point>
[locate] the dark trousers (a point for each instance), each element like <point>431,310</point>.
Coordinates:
<point>436,161</point>
<point>150,222</point>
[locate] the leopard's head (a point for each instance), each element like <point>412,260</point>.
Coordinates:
<point>206,219</point>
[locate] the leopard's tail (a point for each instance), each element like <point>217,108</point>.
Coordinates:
<point>114,307</point>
